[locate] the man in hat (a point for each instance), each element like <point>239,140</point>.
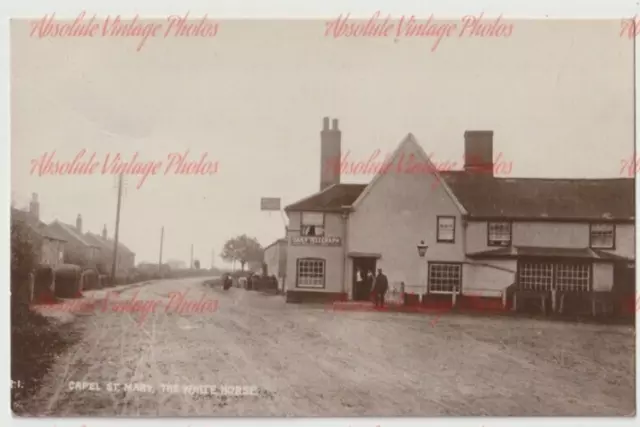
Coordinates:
<point>380,288</point>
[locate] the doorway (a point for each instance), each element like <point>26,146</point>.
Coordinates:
<point>364,264</point>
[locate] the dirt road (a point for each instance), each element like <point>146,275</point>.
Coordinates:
<point>297,360</point>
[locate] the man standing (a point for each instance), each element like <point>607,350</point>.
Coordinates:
<point>380,288</point>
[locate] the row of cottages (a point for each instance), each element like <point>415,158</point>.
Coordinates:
<point>67,244</point>
<point>482,233</point>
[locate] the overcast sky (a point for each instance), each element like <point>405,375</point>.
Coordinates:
<point>558,95</point>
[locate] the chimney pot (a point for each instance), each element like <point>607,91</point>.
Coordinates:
<point>34,206</point>
<point>79,223</point>
<point>330,154</point>
<point>478,151</point>
<point>104,232</point>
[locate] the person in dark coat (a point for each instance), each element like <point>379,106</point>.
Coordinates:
<point>380,288</point>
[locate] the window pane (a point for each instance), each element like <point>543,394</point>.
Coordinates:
<point>573,277</point>
<point>536,277</point>
<point>446,229</point>
<point>602,236</point>
<point>499,233</point>
<point>312,230</point>
<point>443,277</point>
<point>311,273</point>
<point>312,218</point>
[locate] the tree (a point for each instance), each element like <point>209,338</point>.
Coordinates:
<point>196,264</point>
<point>26,245</point>
<point>243,249</point>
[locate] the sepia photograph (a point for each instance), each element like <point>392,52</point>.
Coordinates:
<point>393,215</point>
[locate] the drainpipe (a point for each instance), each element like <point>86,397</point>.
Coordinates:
<point>345,249</point>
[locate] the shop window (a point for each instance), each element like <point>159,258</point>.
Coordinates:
<point>446,229</point>
<point>312,224</point>
<point>536,276</point>
<point>443,278</point>
<point>311,273</point>
<point>499,234</point>
<point>602,236</point>
<point>562,276</point>
<point>573,277</point>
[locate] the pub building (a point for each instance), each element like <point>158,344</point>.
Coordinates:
<point>457,234</point>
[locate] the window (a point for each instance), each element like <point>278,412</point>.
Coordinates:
<point>444,277</point>
<point>310,273</point>
<point>499,234</point>
<point>312,224</point>
<point>548,276</point>
<point>602,236</point>
<point>536,277</point>
<point>446,229</point>
<point>572,277</point>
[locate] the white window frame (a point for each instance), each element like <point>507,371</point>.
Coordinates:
<point>446,268</point>
<point>601,230</point>
<point>561,276</point>
<point>312,221</point>
<point>499,237</point>
<point>315,268</point>
<point>445,227</point>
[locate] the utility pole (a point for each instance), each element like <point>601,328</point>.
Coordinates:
<point>161,243</point>
<point>115,237</point>
<point>191,256</point>
<point>213,258</point>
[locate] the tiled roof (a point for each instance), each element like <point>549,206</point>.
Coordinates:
<point>578,199</point>
<point>72,232</point>
<point>106,244</point>
<point>525,198</point>
<point>331,199</point>
<point>36,225</point>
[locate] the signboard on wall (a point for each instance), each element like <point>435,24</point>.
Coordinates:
<point>270,204</point>
<point>316,241</point>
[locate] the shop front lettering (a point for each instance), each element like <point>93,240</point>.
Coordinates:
<point>316,241</point>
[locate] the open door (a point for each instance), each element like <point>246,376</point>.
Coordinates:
<point>364,264</point>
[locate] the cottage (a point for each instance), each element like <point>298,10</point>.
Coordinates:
<point>126,258</point>
<point>80,251</point>
<point>275,258</point>
<point>480,234</point>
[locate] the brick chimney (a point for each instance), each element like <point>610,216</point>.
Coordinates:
<point>79,223</point>
<point>330,153</point>
<point>104,232</point>
<point>478,151</point>
<point>34,206</point>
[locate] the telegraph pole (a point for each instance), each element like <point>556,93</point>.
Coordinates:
<point>191,256</point>
<point>115,238</point>
<point>161,243</point>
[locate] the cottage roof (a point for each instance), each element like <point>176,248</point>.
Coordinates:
<point>72,234</point>
<point>331,199</point>
<point>36,225</point>
<point>106,244</point>
<point>535,198</point>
